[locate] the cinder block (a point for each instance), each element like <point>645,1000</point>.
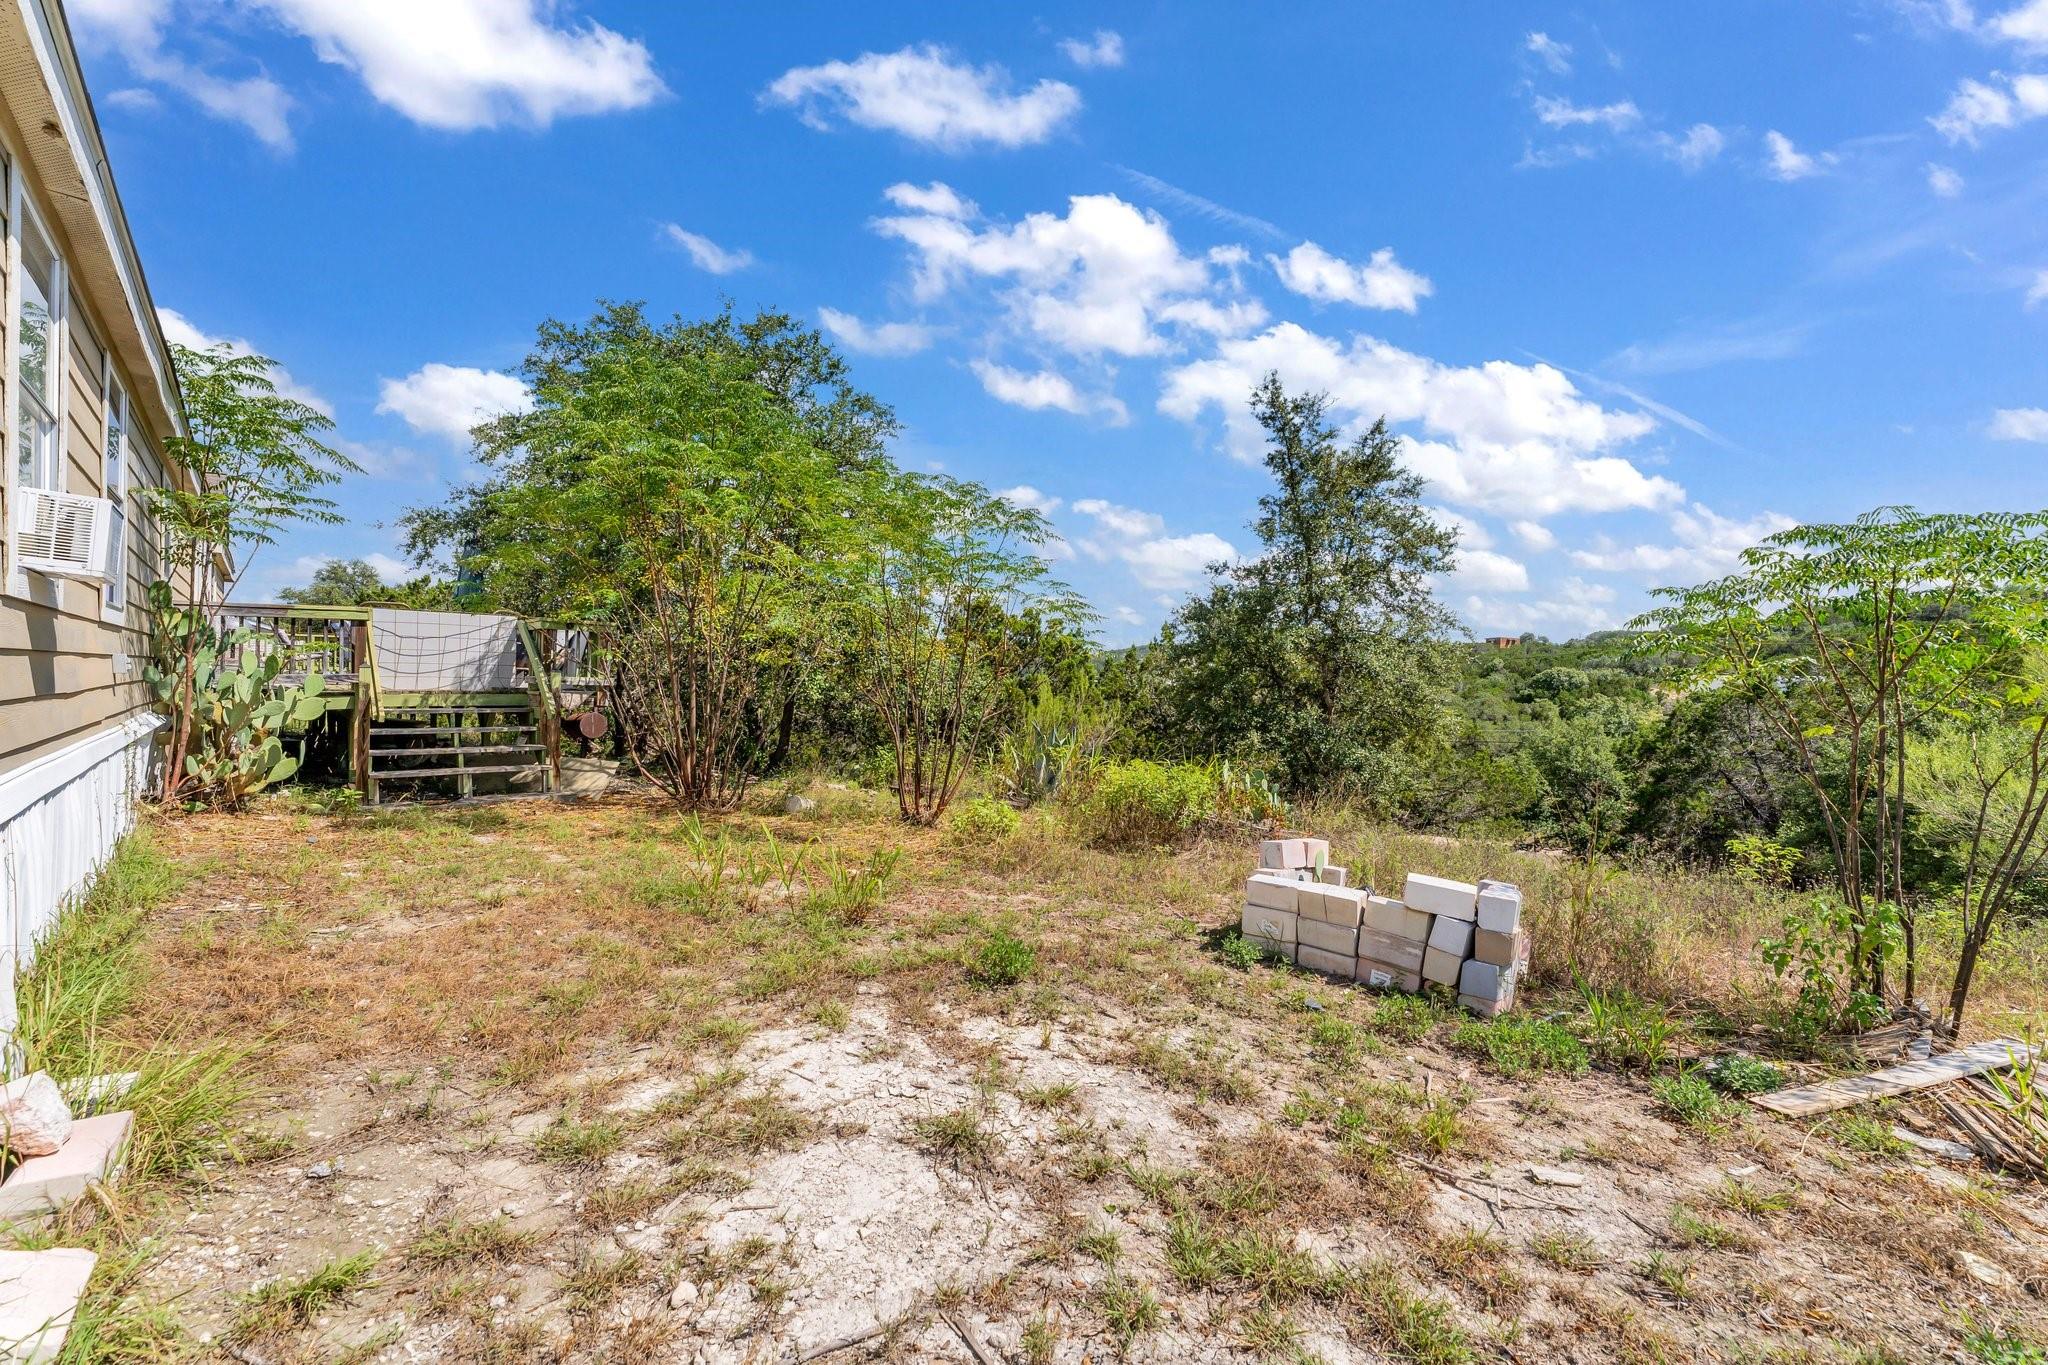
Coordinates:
<point>1488,1009</point>
<point>1326,937</point>
<point>1502,950</point>
<point>1263,922</point>
<point>39,1291</point>
<point>1404,953</point>
<point>1274,854</point>
<point>1279,854</point>
<point>1387,976</point>
<point>1390,916</point>
<point>92,1155</point>
<point>1332,904</point>
<point>1272,892</point>
<point>1441,896</point>
<point>1438,965</point>
<point>1451,935</point>
<point>1485,981</point>
<point>1311,849</point>
<point>1329,964</point>
<point>1334,875</point>
<point>1499,907</point>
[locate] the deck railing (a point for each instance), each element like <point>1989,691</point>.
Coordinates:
<point>321,639</point>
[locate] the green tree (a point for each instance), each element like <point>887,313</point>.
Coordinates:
<point>798,370</point>
<point>1850,640</point>
<point>1324,654</point>
<point>258,461</point>
<point>1981,784</point>
<point>656,485</point>
<point>354,582</point>
<point>946,603</point>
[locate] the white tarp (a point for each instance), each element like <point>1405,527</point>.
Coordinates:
<point>445,651</point>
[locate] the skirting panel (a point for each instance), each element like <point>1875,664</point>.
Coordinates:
<point>60,818</point>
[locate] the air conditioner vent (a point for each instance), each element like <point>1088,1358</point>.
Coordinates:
<point>63,535</point>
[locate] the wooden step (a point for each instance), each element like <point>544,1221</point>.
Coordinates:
<point>452,751</point>
<point>452,710</point>
<point>407,774</point>
<point>378,731</point>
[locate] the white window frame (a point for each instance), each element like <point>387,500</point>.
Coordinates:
<point>114,484</point>
<point>20,208</point>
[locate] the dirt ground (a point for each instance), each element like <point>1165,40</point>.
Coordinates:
<point>581,1095</point>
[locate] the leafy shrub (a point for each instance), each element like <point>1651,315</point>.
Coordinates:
<point>1762,860</point>
<point>1735,1074</point>
<point>1518,1045</point>
<point>1820,950</point>
<point>982,819</point>
<point>1141,803</point>
<point>1002,960</point>
<point>1240,952</point>
<point>1689,1098</point>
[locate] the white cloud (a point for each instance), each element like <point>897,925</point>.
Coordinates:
<point>1516,439</point>
<point>1488,571</point>
<point>1977,106</point>
<point>467,64</point>
<point>136,29</point>
<point>1702,143</point>
<point>1787,162</point>
<point>1548,50</point>
<point>1382,282</point>
<point>1706,545</point>
<point>1472,534</point>
<point>1025,496</point>
<point>447,400</point>
<point>2019,424</point>
<point>875,338</point>
<point>1702,348</point>
<point>2037,292</point>
<point>1106,48</point>
<point>708,255</point>
<point>1090,282</point>
<point>940,200</point>
<point>1615,117</point>
<point>2025,24</point>
<point>450,64</point>
<point>1138,540</point>
<point>1042,389</point>
<point>1573,607</point>
<point>1534,534</point>
<point>927,96</point>
<point>1944,180</point>
<point>1127,616</point>
<point>179,330</point>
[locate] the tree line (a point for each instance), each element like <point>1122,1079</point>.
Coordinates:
<point>1858,710</point>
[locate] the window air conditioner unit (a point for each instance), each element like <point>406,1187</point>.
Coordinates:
<point>63,535</point>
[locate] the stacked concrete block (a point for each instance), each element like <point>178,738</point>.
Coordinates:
<point>1465,936</point>
<point>1329,929</point>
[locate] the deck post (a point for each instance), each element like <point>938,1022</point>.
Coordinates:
<point>359,719</point>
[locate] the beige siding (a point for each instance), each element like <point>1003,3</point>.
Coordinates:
<point>66,670</point>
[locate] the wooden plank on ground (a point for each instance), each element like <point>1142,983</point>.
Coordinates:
<point>1807,1100</point>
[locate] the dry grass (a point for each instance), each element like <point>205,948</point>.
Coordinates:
<point>502,978</point>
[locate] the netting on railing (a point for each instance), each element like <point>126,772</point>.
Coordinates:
<point>447,651</point>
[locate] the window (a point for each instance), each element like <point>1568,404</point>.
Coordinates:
<point>114,596</point>
<point>38,361</point>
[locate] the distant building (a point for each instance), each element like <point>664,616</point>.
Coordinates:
<point>1503,641</point>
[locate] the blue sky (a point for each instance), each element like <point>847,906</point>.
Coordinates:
<point>1638,283</point>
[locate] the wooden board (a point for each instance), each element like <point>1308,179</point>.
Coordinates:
<point>1895,1080</point>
